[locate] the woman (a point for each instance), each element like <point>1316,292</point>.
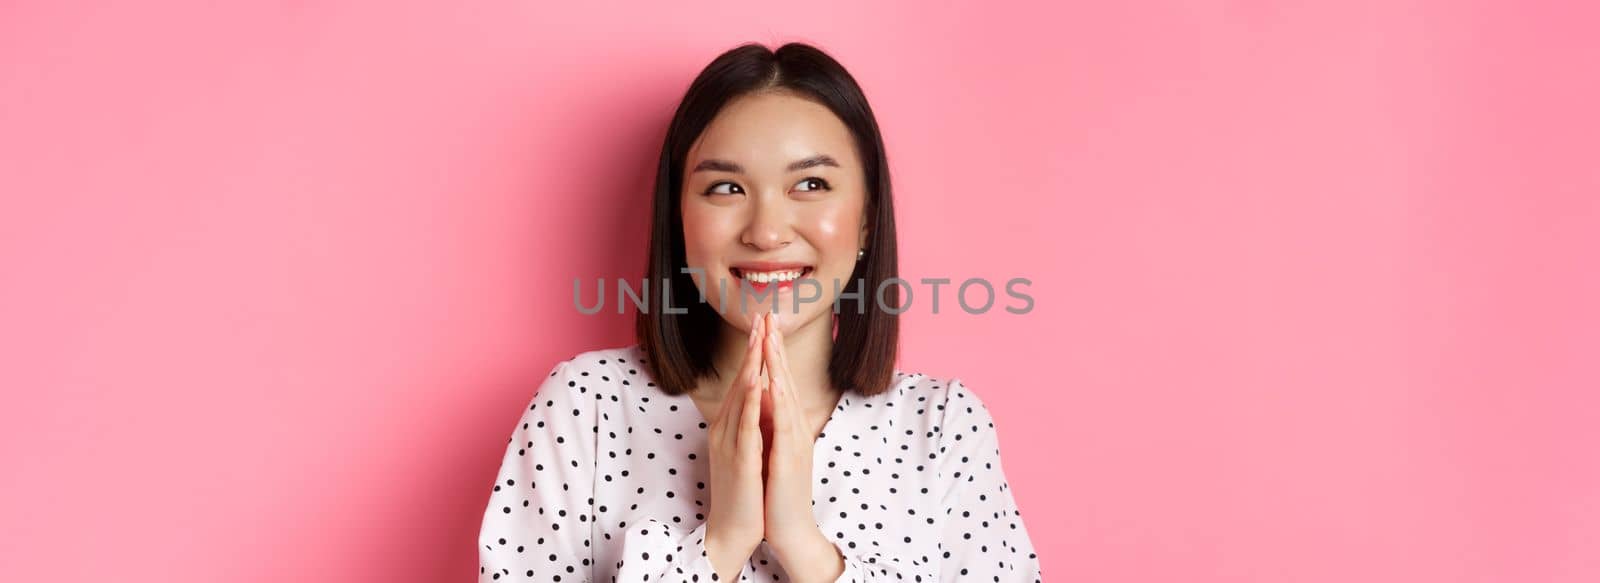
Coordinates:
<point>744,436</point>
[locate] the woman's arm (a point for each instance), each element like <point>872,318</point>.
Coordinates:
<point>537,523</point>
<point>540,521</point>
<point>984,536</point>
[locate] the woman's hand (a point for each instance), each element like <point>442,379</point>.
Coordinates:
<point>736,522</point>
<point>789,521</point>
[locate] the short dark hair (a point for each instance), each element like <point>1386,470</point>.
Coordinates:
<point>679,347</point>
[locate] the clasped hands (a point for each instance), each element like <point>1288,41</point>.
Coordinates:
<point>761,452</point>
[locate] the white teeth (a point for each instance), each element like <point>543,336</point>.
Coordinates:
<point>771,276</point>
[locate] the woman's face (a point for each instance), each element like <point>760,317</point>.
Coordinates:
<point>772,189</point>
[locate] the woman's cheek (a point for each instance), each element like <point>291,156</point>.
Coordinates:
<point>832,225</point>
<point>836,231</point>
<point>833,232</point>
<point>700,246</point>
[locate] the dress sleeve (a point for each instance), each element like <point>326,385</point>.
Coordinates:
<point>656,551</point>
<point>537,524</point>
<point>876,567</point>
<point>984,536</point>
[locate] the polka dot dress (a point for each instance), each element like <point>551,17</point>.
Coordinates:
<point>606,479</point>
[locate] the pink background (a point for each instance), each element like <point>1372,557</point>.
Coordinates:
<point>1316,285</point>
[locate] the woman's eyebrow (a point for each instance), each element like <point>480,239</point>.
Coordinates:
<point>719,165</point>
<point>817,160</point>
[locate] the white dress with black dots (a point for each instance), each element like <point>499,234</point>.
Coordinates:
<point>605,480</point>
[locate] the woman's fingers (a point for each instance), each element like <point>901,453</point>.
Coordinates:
<point>778,385</point>
<point>783,362</point>
<point>733,400</point>
<point>750,420</point>
<point>752,354</point>
<point>725,409</point>
<point>797,414</point>
<point>784,411</point>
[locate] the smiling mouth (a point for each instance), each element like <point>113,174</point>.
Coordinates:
<point>765,278</point>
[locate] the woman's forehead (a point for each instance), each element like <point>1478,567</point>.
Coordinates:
<point>766,132</point>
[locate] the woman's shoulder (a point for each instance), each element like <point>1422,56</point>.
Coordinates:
<point>923,383</point>
<point>929,394</point>
<point>599,371</point>
<point>615,359</point>
<point>950,412</point>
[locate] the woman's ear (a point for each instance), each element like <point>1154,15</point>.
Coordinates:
<point>861,242</point>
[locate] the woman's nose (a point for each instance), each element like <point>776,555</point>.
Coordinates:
<point>769,226</point>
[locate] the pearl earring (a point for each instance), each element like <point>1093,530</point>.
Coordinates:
<point>862,254</point>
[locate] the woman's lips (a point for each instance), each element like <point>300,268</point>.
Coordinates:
<point>760,287</point>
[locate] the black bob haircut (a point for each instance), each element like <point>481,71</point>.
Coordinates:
<point>679,347</point>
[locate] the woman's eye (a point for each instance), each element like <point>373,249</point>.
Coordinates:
<point>814,183</point>
<point>718,188</point>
